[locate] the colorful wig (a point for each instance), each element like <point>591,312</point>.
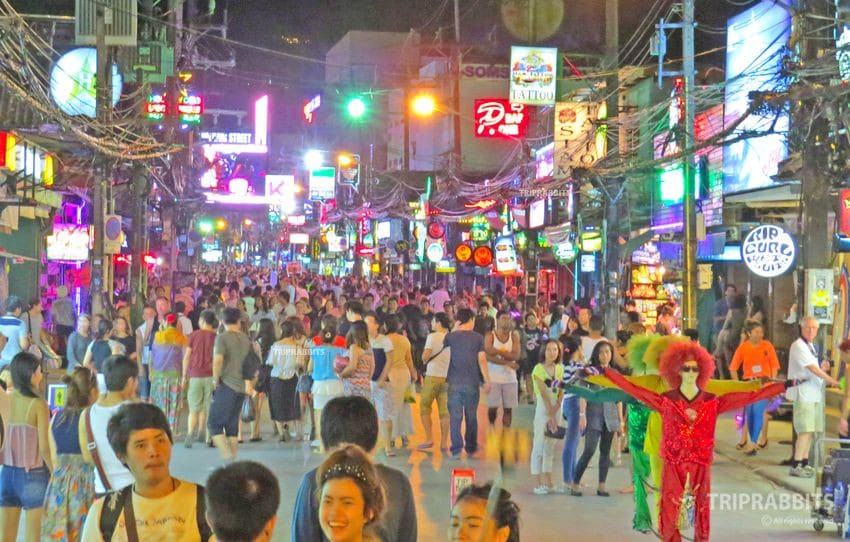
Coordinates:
<point>657,347</point>
<point>636,347</point>
<point>675,357</point>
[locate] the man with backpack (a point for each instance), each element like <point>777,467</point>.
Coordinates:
<point>156,506</point>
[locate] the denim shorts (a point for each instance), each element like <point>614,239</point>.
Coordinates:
<point>21,488</point>
<point>224,411</point>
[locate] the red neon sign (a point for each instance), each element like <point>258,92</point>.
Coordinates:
<point>190,105</point>
<point>310,107</point>
<point>499,118</point>
<point>156,105</point>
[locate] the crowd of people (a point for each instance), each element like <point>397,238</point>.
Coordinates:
<point>336,362</point>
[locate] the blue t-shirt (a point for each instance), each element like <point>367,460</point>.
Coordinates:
<point>323,361</point>
<point>463,364</point>
<point>13,329</point>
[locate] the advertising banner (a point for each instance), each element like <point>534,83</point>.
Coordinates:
<point>533,72</point>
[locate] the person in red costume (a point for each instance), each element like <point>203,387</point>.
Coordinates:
<point>689,416</point>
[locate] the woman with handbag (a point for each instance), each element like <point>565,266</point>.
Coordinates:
<point>547,431</point>
<point>287,358</point>
<point>600,422</point>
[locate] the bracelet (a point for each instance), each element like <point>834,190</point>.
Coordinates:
<point>581,414</point>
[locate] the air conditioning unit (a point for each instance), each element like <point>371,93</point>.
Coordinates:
<point>121,18</point>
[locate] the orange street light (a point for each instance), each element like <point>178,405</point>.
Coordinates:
<point>423,105</point>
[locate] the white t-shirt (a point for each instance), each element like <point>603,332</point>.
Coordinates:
<point>173,517</point>
<point>117,473</point>
<point>800,356</point>
<point>502,374</point>
<point>587,346</point>
<point>439,365</point>
<point>185,325</point>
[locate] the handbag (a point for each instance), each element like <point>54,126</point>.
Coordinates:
<point>410,394</point>
<point>305,384</point>
<point>559,432</point>
<point>340,363</point>
<point>249,411</point>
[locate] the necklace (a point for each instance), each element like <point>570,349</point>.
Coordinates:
<point>173,487</point>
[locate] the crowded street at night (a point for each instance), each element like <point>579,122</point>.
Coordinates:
<point>429,270</point>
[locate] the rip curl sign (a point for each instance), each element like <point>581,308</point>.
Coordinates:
<point>768,251</point>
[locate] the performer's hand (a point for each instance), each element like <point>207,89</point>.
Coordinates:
<point>843,428</point>
<point>590,371</point>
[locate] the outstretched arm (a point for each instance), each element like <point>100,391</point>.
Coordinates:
<point>650,398</point>
<point>731,401</point>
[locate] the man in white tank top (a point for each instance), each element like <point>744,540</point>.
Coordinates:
<point>502,348</point>
<point>122,380</point>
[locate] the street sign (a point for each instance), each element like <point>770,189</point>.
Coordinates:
<point>768,251</point>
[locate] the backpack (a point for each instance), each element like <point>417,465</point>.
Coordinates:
<point>122,501</point>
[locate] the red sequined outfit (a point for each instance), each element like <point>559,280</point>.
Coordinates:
<point>687,446</point>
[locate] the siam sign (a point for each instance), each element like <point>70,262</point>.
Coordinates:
<point>768,251</point>
<point>499,118</point>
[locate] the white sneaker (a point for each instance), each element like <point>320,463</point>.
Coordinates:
<point>560,489</point>
<point>541,490</point>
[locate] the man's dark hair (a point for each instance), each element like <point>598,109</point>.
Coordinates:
<point>118,370</point>
<point>392,323</point>
<point>464,315</point>
<point>207,316</point>
<point>693,334</point>
<point>633,317</point>
<point>443,318</point>
<point>356,307</point>
<point>351,420</point>
<point>134,417</point>
<point>597,323</point>
<point>14,303</point>
<point>180,307</point>
<point>630,303</point>
<point>241,499</point>
<point>231,316</point>
<point>284,295</point>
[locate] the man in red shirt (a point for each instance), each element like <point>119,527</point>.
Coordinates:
<point>197,370</point>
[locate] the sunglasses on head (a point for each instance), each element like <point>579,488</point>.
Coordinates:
<point>689,369</point>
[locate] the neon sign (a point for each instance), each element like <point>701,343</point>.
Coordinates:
<point>481,204</point>
<point>310,107</point>
<point>499,118</point>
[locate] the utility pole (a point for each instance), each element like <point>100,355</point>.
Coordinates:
<point>103,93</point>
<point>689,301</point>
<point>613,188</point>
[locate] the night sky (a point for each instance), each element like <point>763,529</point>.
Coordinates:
<point>264,23</point>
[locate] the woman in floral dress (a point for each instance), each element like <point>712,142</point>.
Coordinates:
<point>71,488</point>
<point>169,345</point>
<point>357,375</point>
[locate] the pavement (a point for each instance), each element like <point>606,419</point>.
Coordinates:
<point>754,498</point>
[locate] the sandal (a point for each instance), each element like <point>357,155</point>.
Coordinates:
<point>763,446</point>
<point>425,446</point>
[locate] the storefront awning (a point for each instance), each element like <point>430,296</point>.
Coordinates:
<point>783,195</point>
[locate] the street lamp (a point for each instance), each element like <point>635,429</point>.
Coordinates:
<point>313,159</point>
<point>423,105</point>
<point>356,108</point>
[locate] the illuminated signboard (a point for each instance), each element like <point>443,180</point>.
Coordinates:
<point>671,185</point>
<point>754,60</point>
<point>322,183</point>
<point>499,118</point>
<point>383,230</point>
<point>544,162</point>
<point>299,239</point>
<point>768,251</point>
<point>575,120</point>
<point>533,75</point>
<point>72,82</point>
<point>536,213</point>
<point>505,255</point>
<point>310,108</point>
<point>190,108</point>
<point>69,242</point>
<point>156,107</point>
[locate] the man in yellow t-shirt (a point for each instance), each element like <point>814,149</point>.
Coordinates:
<point>159,506</point>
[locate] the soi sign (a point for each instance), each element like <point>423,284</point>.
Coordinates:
<point>499,118</point>
<point>768,251</point>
